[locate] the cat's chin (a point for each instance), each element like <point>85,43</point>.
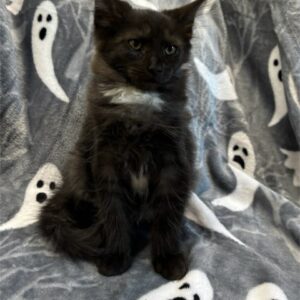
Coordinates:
<point>151,85</point>
<point>145,85</point>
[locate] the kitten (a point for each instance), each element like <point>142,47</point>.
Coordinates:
<point>132,170</point>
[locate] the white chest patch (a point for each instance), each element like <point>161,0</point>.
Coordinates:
<point>129,95</point>
<point>139,183</point>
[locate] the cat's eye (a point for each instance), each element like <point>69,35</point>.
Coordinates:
<point>170,50</point>
<point>135,44</point>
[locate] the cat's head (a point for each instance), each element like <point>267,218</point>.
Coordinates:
<point>147,48</point>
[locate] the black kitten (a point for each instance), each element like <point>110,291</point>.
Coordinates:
<point>133,167</point>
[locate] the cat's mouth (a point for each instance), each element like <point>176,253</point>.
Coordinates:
<point>144,80</point>
<point>163,77</point>
<point>158,81</point>
<point>162,80</point>
<point>148,83</point>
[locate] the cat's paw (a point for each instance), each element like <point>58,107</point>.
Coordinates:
<point>171,267</point>
<point>113,264</point>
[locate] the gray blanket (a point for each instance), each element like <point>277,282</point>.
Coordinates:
<point>243,236</point>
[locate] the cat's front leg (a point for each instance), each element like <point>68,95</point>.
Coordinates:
<point>117,257</point>
<point>168,258</point>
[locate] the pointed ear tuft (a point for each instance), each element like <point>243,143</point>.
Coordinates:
<point>185,15</point>
<point>109,14</point>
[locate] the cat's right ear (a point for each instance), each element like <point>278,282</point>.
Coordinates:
<point>109,15</point>
<point>185,15</point>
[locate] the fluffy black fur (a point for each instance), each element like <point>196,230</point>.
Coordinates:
<point>99,214</point>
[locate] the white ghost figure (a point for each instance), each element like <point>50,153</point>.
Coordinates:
<point>15,6</point>
<point>293,162</point>
<point>221,84</point>
<point>44,28</point>
<point>266,291</point>
<point>275,75</point>
<point>293,90</point>
<point>41,187</point>
<point>241,160</point>
<point>194,286</point>
<point>199,212</point>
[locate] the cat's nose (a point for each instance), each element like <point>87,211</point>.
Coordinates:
<point>155,69</point>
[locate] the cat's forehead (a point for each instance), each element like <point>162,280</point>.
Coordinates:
<point>151,24</point>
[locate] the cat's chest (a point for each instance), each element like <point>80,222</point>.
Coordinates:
<point>140,187</point>
<point>139,182</point>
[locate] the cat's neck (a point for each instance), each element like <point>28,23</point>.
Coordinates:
<point>114,89</point>
<point>127,95</point>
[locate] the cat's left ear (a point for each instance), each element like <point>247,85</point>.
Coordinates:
<point>109,14</point>
<point>185,15</point>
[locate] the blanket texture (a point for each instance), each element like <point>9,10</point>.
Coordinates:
<point>243,221</point>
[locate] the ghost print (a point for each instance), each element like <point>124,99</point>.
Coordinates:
<point>39,190</point>
<point>43,33</point>
<point>242,162</point>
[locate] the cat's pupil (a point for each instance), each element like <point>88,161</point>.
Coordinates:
<point>135,44</point>
<point>171,49</point>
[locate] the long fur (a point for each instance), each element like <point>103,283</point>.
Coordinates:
<point>132,170</point>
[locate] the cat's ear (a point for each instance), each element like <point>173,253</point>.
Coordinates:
<point>109,14</point>
<point>185,16</point>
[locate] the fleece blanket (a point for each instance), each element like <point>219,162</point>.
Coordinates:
<point>243,220</point>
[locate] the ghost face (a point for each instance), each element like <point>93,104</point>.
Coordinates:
<point>44,28</point>
<point>44,188</point>
<point>41,188</point>
<point>45,24</point>
<point>275,65</point>
<point>43,19</point>
<point>241,160</point>
<point>241,153</point>
<point>275,76</point>
<point>194,286</point>
<point>43,185</point>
